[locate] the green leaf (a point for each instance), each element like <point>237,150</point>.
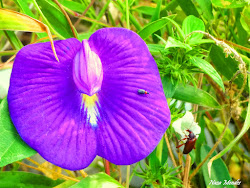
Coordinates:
<point>99,180</point>
<point>190,24</point>
<point>12,147</point>
<point>55,18</point>
<point>206,7</point>
<point>209,69</point>
<point>14,41</point>
<point>194,95</point>
<point>216,129</point>
<point>26,179</point>
<point>75,6</point>
<point>245,19</point>
<point>11,20</point>
<point>188,7</point>
<point>153,27</point>
<point>226,66</point>
<point>228,3</point>
<point>23,4</point>
<point>155,49</point>
<point>219,171</point>
<point>172,42</point>
<point>145,10</point>
<point>168,86</point>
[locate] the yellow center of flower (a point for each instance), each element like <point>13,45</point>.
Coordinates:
<point>90,107</point>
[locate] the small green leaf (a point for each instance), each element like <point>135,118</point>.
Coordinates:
<point>219,171</point>
<point>190,24</point>
<point>196,96</point>
<point>26,179</point>
<point>75,6</point>
<point>155,49</point>
<point>188,7</point>
<point>172,42</point>
<point>228,3</point>
<point>209,69</point>
<point>153,27</point>
<point>12,147</point>
<point>168,86</point>
<point>245,19</point>
<point>145,10</point>
<point>99,180</point>
<point>206,8</point>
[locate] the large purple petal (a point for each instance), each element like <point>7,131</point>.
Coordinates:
<point>131,124</point>
<point>45,105</point>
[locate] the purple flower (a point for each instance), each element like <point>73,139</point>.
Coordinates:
<point>88,103</point>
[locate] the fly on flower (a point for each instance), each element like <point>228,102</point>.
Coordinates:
<point>189,131</point>
<point>72,110</point>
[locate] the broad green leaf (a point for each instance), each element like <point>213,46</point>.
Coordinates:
<point>168,86</point>
<point>190,24</point>
<point>172,42</point>
<point>68,183</point>
<point>208,69</point>
<point>12,147</point>
<point>26,179</point>
<point>156,16</point>
<point>245,19</point>
<point>145,10</point>
<point>153,27</point>
<point>188,7</point>
<point>226,66</point>
<point>219,171</point>
<point>99,180</point>
<point>228,3</point>
<point>55,18</point>
<point>194,95</point>
<point>75,6</point>
<point>216,128</point>
<point>206,8</point>
<point>155,49</point>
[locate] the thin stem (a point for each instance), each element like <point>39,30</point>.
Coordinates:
<point>85,11</point>
<point>186,171</point>
<point>40,169</point>
<point>127,176</point>
<point>83,174</point>
<point>106,166</point>
<point>120,173</point>
<point>127,15</point>
<point>171,153</point>
<point>67,17</point>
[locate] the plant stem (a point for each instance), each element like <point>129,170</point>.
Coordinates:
<point>186,171</point>
<point>127,176</point>
<point>106,166</point>
<point>38,169</point>
<point>85,11</point>
<point>83,174</point>
<point>171,153</point>
<point>67,17</point>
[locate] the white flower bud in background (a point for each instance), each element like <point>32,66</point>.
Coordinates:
<point>186,123</point>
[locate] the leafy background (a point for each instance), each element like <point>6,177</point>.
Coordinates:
<point>199,72</point>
